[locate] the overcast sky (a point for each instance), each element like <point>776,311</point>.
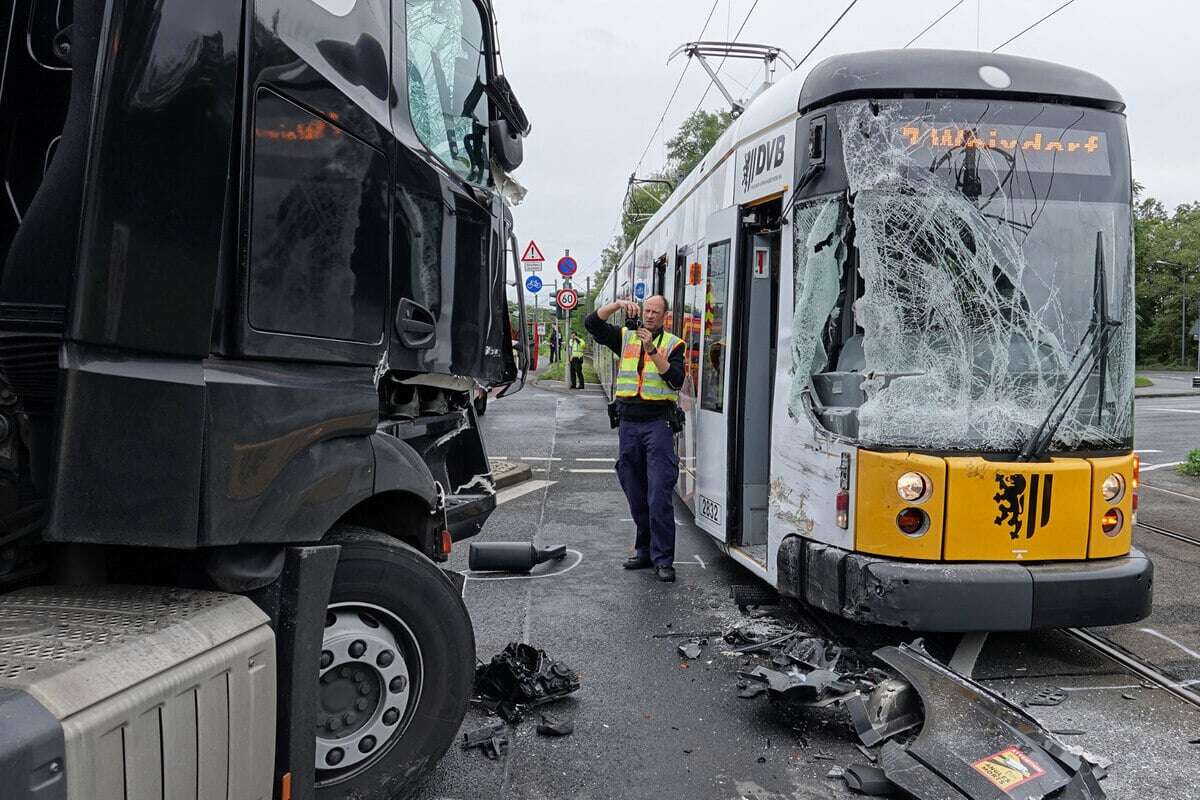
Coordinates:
<point>594,79</point>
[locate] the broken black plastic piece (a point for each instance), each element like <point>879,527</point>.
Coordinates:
<point>976,744</point>
<point>490,739</point>
<point>555,726</point>
<point>510,556</point>
<point>521,677</point>
<point>892,707</point>
<point>868,780</point>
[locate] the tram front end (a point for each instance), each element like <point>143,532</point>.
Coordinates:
<point>962,346</point>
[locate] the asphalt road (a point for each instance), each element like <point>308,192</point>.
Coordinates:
<point>1165,430</point>
<point>650,724</point>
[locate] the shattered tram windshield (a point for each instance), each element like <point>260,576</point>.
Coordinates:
<point>992,241</point>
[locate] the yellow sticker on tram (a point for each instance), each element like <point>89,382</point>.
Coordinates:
<point>1008,769</point>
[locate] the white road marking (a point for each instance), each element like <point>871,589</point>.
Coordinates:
<point>607,459</point>
<point>591,471</point>
<point>513,492</point>
<point>1147,451</point>
<point>1152,467</point>
<point>701,561</point>
<point>1166,638</point>
<point>539,458</point>
<point>505,458</point>
<point>1176,410</point>
<point>1168,491</point>
<point>483,576</point>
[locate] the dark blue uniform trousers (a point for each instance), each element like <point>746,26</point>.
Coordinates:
<point>647,468</point>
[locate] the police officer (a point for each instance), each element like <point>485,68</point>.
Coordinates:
<point>646,387</point>
<point>577,350</point>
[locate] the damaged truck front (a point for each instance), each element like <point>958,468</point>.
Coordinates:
<point>254,267</point>
<point>963,338</point>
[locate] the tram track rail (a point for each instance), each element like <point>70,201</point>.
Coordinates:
<point>1139,666</point>
<point>1179,537</point>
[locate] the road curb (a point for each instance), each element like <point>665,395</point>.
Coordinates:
<point>1137,396</point>
<point>510,473</point>
<point>561,386</point>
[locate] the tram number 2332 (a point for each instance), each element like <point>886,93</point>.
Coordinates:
<point>710,509</point>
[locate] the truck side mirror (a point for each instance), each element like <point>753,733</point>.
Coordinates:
<point>508,148</point>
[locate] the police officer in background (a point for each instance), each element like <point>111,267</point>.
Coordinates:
<point>646,387</point>
<point>576,365</point>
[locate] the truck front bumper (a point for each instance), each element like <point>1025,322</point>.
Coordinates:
<point>973,596</point>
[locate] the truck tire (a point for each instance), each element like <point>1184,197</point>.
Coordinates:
<point>397,665</point>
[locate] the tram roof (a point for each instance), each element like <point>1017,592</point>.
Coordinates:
<point>950,72</point>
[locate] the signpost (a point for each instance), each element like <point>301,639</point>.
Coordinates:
<point>567,299</point>
<point>567,266</point>
<point>533,283</point>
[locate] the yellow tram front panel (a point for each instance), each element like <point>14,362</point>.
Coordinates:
<point>875,529</point>
<point>1017,511</point>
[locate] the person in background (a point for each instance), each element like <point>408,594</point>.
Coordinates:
<point>646,388</point>
<point>555,343</point>
<point>577,349</point>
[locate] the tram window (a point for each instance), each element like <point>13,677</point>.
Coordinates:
<point>712,369</point>
<point>816,141</point>
<point>446,75</point>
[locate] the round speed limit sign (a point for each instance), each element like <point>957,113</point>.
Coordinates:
<point>567,299</point>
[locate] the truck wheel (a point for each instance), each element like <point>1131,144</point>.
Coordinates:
<point>397,664</point>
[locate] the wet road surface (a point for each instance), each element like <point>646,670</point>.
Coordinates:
<point>649,724</point>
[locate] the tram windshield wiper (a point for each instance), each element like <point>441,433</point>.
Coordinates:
<point>1100,333</point>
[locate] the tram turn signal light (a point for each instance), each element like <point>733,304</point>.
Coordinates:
<point>1137,479</point>
<point>842,506</point>
<point>1111,522</point>
<point>912,522</point>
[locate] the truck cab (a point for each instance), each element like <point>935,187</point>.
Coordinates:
<point>255,258</point>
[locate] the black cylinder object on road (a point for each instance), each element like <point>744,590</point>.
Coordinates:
<point>511,556</point>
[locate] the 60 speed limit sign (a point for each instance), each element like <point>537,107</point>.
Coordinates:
<point>567,299</point>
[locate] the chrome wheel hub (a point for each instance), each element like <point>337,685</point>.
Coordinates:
<point>365,687</point>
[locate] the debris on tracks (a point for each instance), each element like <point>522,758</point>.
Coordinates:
<point>1047,697</point>
<point>521,677</point>
<point>868,780</point>
<point>890,708</point>
<point>691,648</point>
<point>976,744</point>
<point>555,726</point>
<point>490,739</point>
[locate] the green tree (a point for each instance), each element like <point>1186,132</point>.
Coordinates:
<point>1172,237</point>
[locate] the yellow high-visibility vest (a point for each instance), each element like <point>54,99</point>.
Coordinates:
<point>648,384</point>
<point>577,348</point>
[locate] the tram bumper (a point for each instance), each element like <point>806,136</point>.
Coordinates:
<point>970,596</point>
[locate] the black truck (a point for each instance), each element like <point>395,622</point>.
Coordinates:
<point>255,263</point>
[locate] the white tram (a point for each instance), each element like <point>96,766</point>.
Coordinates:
<point>905,281</point>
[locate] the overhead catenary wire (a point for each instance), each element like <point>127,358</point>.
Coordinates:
<point>931,25</point>
<point>828,31</point>
<point>1031,27</point>
<point>662,117</point>
<point>736,36</point>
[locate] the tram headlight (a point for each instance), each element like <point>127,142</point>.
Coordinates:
<point>1113,487</point>
<point>912,487</point>
<point>1111,522</point>
<point>912,522</point>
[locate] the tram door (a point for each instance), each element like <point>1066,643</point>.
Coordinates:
<point>756,295</point>
<point>719,253</point>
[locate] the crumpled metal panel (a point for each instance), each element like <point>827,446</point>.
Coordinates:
<point>978,742</point>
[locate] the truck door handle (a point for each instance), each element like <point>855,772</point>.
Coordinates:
<point>415,325</point>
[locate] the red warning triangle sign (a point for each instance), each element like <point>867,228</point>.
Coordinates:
<point>532,253</point>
